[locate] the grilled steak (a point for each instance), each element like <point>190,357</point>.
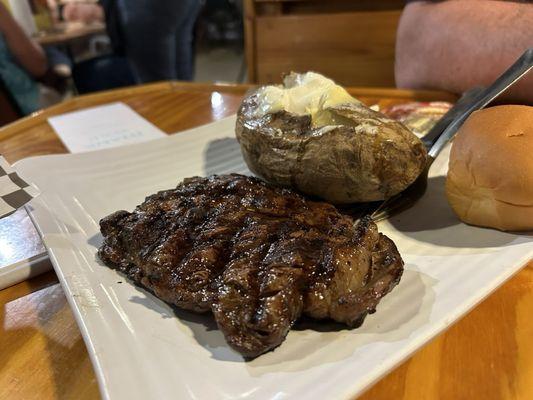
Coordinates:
<point>256,256</point>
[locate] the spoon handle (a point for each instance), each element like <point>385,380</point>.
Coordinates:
<point>500,85</point>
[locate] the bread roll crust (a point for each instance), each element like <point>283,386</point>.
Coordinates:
<point>490,176</point>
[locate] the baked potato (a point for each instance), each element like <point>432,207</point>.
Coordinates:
<point>311,135</point>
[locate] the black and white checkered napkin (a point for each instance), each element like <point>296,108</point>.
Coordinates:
<point>14,191</point>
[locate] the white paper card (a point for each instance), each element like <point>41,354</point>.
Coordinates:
<point>101,127</point>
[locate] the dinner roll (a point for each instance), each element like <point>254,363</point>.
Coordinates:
<point>490,177</point>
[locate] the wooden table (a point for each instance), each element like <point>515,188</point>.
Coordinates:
<point>66,33</point>
<point>486,355</point>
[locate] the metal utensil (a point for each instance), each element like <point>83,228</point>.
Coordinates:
<point>409,196</point>
<point>464,102</point>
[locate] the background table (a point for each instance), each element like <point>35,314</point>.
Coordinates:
<point>486,355</point>
<point>66,33</point>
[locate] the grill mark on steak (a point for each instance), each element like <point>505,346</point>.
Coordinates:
<point>258,257</point>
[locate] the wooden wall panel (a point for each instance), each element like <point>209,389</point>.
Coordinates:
<point>352,41</point>
<point>355,48</point>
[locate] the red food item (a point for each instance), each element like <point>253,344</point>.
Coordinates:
<point>419,117</point>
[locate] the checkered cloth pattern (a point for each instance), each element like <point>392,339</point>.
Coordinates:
<point>14,191</point>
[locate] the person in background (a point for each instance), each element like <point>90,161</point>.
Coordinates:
<point>158,37</point>
<point>22,61</point>
<point>460,44</point>
<point>82,12</point>
<point>104,72</point>
<point>155,36</point>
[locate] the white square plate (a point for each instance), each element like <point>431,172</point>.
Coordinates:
<point>142,350</point>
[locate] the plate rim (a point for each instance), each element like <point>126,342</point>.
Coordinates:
<point>349,392</point>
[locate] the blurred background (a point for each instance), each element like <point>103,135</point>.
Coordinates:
<point>93,45</point>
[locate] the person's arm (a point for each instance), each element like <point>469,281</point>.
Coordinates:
<point>28,54</point>
<point>83,12</point>
<point>456,45</point>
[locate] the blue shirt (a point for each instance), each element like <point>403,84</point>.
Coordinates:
<point>17,81</point>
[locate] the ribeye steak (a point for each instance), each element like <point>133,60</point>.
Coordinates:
<point>256,256</point>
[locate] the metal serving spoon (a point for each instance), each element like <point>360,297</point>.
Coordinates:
<point>474,100</point>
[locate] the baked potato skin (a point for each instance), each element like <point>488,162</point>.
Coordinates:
<point>362,156</point>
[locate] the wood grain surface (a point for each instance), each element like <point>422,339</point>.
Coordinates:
<point>486,355</point>
<point>351,41</point>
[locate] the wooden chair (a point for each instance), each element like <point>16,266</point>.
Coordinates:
<point>351,41</point>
